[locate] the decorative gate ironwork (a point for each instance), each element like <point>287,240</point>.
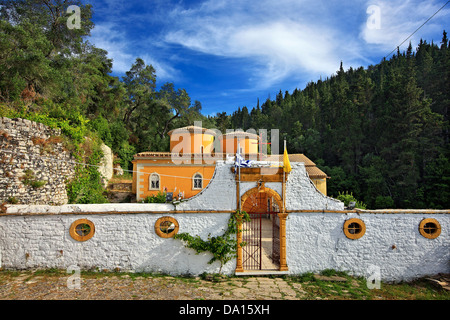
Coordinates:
<point>261,233</point>
<point>252,236</point>
<point>275,239</point>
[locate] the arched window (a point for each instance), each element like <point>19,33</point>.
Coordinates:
<point>198,181</point>
<point>154,183</point>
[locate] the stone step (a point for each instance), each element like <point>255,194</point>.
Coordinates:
<point>120,186</point>
<point>441,281</point>
<point>121,197</point>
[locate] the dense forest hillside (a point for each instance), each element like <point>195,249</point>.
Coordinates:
<point>380,133</point>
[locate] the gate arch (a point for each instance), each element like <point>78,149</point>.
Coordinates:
<point>251,194</point>
<point>262,235</point>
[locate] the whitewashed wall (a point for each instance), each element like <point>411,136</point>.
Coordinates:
<point>316,241</point>
<point>220,193</point>
<point>124,241</point>
<point>302,194</point>
<point>38,236</point>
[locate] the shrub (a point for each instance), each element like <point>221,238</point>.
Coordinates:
<point>101,126</point>
<point>126,153</point>
<point>13,200</point>
<point>86,187</point>
<point>158,198</point>
<point>29,179</point>
<point>382,202</point>
<point>348,197</point>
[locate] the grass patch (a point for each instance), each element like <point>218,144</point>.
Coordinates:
<point>355,288</point>
<point>50,272</point>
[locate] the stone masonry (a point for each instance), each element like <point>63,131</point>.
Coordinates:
<point>34,165</point>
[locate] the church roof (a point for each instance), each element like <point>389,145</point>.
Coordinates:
<point>192,129</point>
<point>240,134</point>
<point>311,168</point>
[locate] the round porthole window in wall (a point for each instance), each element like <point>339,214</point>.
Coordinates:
<point>82,230</point>
<point>166,227</point>
<point>354,228</point>
<point>430,228</point>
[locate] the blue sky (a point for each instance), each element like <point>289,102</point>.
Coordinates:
<point>229,53</point>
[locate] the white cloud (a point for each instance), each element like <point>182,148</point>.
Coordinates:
<point>120,47</point>
<point>399,19</point>
<point>273,40</point>
<point>107,37</point>
<point>288,45</point>
<point>281,39</point>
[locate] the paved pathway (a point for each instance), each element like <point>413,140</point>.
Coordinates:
<point>255,288</point>
<point>29,286</point>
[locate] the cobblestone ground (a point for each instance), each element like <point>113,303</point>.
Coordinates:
<point>29,286</point>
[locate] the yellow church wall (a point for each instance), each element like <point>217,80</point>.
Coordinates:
<point>173,178</point>
<point>321,185</point>
<point>177,174</point>
<point>246,145</point>
<point>191,142</point>
<point>133,185</point>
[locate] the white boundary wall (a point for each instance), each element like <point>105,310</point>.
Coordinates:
<point>124,241</point>
<point>38,236</point>
<point>392,243</point>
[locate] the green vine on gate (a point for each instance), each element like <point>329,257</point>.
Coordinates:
<point>224,247</point>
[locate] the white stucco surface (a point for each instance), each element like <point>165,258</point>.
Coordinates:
<point>125,237</point>
<point>302,194</point>
<point>127,242</point>
<point>220,193</point>
<point>392,242</point>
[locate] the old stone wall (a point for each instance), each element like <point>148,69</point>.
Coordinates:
<point>34,166</point>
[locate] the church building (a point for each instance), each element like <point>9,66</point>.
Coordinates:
<point>189,166</point>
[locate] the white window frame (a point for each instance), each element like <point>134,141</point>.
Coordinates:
<point>193,181</point>
<point>154,174</point>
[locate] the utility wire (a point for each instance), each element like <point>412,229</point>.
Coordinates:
<point>97,166</point>
<point>417,29</point>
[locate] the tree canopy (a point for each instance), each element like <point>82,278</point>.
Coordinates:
<point>381,133</point>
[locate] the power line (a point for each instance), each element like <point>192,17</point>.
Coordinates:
<point>97,166</point>
<point>417,29</point>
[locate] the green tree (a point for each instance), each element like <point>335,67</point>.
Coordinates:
<point>51,16</point>
<point>24,69</point>
<point>223,122</point>
<point>175,104</point>
<point>140,83</point>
